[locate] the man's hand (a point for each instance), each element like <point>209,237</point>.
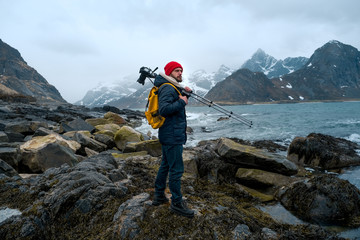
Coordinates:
<point>188,89</point>
<point>184,98</point>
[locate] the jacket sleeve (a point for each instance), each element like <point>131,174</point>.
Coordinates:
<point>169,101</point>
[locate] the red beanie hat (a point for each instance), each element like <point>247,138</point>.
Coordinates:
<point>171,66</point>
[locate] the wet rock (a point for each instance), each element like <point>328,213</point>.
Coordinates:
<point>153,147</point>
<point>125,135</point>
<point>51,155</point>
<point>327,152</point>
<point>323,199</point>
<point>243,155</point>
<point>260,178</point>
<point>127,216</point>
<point>41,153</point>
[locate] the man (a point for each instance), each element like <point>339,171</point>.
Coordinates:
<point>172,136</point>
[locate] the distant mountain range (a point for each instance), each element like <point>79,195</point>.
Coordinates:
<point>331,73</point>
<point>200,81</point>
<point>262,62</point>
<point>19,80</point>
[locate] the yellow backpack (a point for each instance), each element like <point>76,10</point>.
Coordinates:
<point>152,107</point>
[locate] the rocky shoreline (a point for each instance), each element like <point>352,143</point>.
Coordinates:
<point>71,172</point>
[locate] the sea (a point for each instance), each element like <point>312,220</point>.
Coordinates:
<point>280,123</point>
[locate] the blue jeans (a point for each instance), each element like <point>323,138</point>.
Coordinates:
<point>172,164</point>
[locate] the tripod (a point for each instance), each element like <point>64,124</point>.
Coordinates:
<point>218,108</point>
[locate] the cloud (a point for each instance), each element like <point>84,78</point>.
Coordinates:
<point>77,44</point>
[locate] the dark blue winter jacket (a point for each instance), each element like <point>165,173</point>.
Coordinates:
<point>173,131</point>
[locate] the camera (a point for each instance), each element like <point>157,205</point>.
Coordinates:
<point>144,73</point>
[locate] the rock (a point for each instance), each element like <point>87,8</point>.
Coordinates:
<point>7,169</point>
<point>210,165</point>
<point>41,141</point>
<point>3,137</point>
<point>262,197</point>
<point>190,166</point>
<point>327,152</point>
<point>124,156</point>
<point>97,121</point>
<point>76,125</point>
<point>41,131</point>
<point>105,139</point>
<point>10,155</point>
<point>153,147</point>
<point>260,178</point>
<point>242,232</point>
<point>269,234</point>
<point>222,119</point>
<point>114,118</point>
<point>89,152</point>
<point>41,153</point>
<point>108,129</point>
<point>128,215</point>
<point>324,199</point>
<point>22,127</point>
<point>37,160</point>
<point>244,155</point>
<point>125,135</point>
<point>88,142</point>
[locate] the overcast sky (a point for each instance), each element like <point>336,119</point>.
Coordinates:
<point>75,44</point>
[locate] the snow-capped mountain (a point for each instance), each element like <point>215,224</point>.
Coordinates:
<point>104,93</point>
<point>134,95</point>
<point>271,67</point>
<point>201,82</point>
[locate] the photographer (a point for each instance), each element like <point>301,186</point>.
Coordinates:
<point>172,136</point>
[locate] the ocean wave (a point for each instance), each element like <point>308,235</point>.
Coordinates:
<point>354,138</point>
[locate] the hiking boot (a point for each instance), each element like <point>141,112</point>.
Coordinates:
<point>181,209</point>
<point>158,200</point>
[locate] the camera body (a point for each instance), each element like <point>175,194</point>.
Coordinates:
<point>144,73</point>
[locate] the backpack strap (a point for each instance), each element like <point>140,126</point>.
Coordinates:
<point>172,86</point>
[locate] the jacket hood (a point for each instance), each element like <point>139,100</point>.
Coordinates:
<point>159,80</point>
<point>169,79</point>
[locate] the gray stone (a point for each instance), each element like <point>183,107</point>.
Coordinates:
<point>128,214</point>
<point>244,155</point>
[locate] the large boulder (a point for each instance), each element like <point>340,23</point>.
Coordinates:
<point>327,152</point>
<point>323,199</point>
<point>126,135</point>
<point>261,178</point>
<point>248,156</point>
<point>44,152</point>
